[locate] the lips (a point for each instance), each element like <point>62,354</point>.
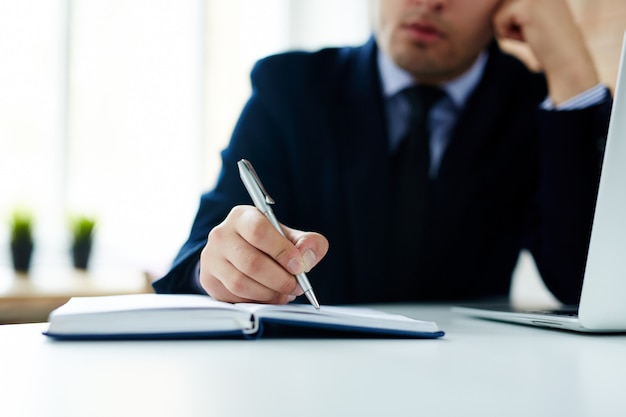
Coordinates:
<point>423,32</point>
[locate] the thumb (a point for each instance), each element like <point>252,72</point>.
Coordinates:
<point>313,246</point>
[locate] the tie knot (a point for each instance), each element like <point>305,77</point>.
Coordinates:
<point>421,98</point>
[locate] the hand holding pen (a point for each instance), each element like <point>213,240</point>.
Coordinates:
<point>263,201</point>
<point>247,259</point>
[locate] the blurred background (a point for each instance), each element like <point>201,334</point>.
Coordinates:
<point>118,108</point>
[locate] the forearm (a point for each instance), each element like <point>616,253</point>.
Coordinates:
<point>550,30</point>
<point>572,149</point>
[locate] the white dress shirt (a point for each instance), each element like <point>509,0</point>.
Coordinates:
<point>444,114</point>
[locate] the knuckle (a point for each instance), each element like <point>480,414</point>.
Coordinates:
<point>237,285</point>
<point>237,212</point>
<point>287,286</point>
<point>216,234</point>
<point>256,227</point>
<point>252,265</point>
<point>211,285</point>
<point>281,253</point>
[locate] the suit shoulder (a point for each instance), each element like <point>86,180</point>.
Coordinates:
<point>299,69</point>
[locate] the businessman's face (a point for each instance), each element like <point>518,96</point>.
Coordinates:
<point>435,40</point>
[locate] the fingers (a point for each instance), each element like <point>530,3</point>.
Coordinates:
<point>224,281</point>
<point>551,32</point>
<point>247,259</point>
<point>255,229</point>
<point>548,27</point>
<point>509,20</point>
<point>313,246</point>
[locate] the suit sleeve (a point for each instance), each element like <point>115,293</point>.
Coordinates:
<point>572,148</point>
<point>255,133</point>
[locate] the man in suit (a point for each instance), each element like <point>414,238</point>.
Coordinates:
<point>513,162</point>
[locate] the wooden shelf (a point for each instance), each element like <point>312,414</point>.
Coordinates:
<point>30,298</point>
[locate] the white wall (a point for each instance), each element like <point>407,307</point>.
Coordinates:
<point>239,32</point>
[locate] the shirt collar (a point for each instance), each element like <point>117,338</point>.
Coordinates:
<point>394,79</point>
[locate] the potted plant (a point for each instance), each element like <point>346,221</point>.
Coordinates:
<point>22,243</point>
<point>82,229</point>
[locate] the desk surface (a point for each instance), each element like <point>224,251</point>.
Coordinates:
<point>479,368</point>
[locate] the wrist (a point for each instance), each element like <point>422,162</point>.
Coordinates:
<point>570,78</point>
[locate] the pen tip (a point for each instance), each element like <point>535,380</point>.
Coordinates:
<point>311,297</point>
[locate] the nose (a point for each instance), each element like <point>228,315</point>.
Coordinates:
<point>431,5</point>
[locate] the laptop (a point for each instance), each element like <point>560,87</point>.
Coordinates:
<point>602,306</point>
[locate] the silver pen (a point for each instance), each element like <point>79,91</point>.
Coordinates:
<point>262,201</point>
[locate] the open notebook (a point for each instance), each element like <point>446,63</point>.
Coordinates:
<point>175,316</point>
<point>603,299</point>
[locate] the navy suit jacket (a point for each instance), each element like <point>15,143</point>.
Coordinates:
<point>513,176</point>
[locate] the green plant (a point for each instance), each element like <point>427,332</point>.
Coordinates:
<point>21,227</point>
<point>21,230</point>
<point>82,228</point>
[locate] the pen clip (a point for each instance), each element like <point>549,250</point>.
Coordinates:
<point>248,166</point>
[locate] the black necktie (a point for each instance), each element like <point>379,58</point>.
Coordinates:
<point>412,194</point>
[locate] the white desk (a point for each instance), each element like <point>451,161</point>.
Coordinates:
<point>478,369</point>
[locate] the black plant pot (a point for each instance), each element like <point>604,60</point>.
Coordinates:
<point>21,254</point>
<point>81,252</point>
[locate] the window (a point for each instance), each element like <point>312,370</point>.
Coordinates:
<point>119,108</point>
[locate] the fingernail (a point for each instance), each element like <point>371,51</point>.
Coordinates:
<point>295,265</point>
<point>309,260</point>
<point>291,298</point>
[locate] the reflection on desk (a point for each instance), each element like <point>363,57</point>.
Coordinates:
<point>479,368</point>
<point>30,298</point>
